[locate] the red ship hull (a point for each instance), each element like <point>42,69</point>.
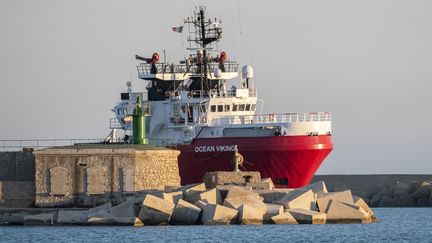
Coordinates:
<point>291,161</point>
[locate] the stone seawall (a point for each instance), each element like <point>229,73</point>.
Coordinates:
<point>17,176</point>
<point>87,175</point>
<point>385,190</point>
<point>155,169</point>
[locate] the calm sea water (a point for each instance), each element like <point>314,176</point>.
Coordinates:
<point>396,225</point>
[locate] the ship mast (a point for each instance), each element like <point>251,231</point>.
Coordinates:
<point>205,33</point>
<point>203,80</point>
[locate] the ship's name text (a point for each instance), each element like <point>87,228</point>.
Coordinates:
<point>220,148</point>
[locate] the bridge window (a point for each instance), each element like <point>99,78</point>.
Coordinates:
<point>227,108</point>
<point>253,107</point>
<point>248,106</point>
<point>235,107</point>
<point>220,108</point>
<point>213,108</point>
<point>242,107</point>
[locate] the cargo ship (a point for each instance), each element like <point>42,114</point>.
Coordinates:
<point>189,106</point>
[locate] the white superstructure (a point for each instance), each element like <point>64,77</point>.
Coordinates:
<point>191,100</point>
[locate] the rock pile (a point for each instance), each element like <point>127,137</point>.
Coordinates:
<point>402,194</point>
<point>227,204</point>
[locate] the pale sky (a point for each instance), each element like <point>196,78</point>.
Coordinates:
<point>369,62</point>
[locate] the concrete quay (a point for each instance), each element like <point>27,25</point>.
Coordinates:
<point>197,204</point>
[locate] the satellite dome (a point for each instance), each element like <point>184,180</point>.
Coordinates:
<point>247,72</point>
<point>217,72</point>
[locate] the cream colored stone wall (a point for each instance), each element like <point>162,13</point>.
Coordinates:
<point>85,177</point>
<point>156,169</point>
<point>213,179</point>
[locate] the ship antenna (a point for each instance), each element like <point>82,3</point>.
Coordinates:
<point>204,47</point>
<point>205,33</point>
<point>241,32</point>
<point>129,84</point>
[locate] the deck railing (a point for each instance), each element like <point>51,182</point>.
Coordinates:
<point>19,144</point>
<point>272,118</point>
<point>163,68</point>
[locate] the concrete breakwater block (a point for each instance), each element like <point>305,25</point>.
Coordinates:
<point>303,199</point>
<point>343,196</point>
<point>185,213</point>
<point>338,212</point>
<point>72,217</point>
<point>358,201</point>
<point>261,185</point>
<point>223,190</point>
<point>270,183</point>
<point>241,205</point>
<point>318,188</point>
<point>269,196</point>
<point>239,192</point>
<point>250,215</point>
<point>95,210</point>
<point>251,200</point>
<point>284,218</point>
<point>105,214</point>
<point>303,216</point>
<point>200,204</point>
<point>217,215</point>
<point>169,196</point>
<point>102,217</point>
<point>39,219</point>
<point>155,211</point>
<point>423,193</point>
<point>138,222</point>
<point>171,188</point>
<point>211,196</point>
<point>124,210</point>
<point>271,211</point>
<point>174,196</point>
<point>188,192</point>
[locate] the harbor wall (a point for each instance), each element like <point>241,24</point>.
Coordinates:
<point>18,187</point>
<point>85,175</point>
<point>384,190</point>
<point>17,177</point>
